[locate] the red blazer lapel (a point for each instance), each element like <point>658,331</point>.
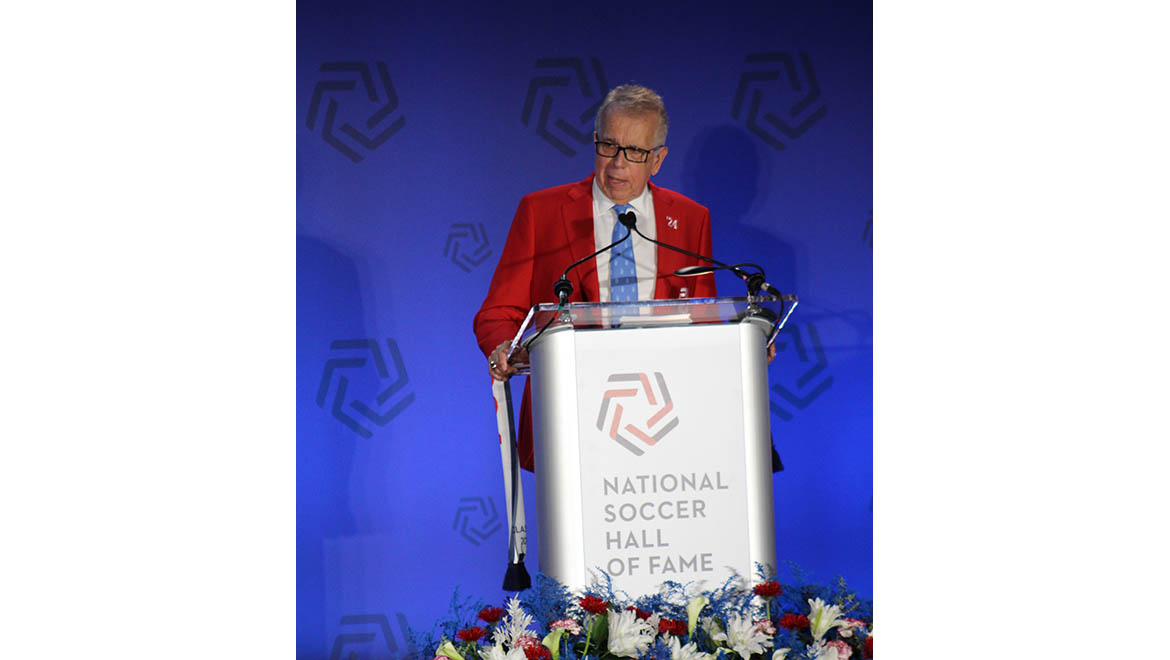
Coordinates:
<point>578,218</point>
<point>668,260</point>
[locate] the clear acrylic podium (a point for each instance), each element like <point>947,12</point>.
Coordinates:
<point>651,438</point>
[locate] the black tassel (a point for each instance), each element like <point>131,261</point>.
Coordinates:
<point>517,578</point>
<point>777,466</point>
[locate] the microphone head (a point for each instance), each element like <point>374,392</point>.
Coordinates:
<point>563,289</point>
<point>754,282</point>
<point>691,271</point>
<point>628,219</point>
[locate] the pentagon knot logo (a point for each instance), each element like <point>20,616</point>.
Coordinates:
<point>467,245</point>
<point>577,92</point>
<point>790,110</point>
<point>804,357</point>
<point>375,127</point>
<point>376,410</point>
<point>477,519</point>
<point>637,394</point>
<point>366,644</point>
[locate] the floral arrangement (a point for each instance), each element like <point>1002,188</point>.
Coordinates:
<point>764,620</point>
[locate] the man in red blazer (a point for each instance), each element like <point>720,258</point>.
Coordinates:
<point>555,227</point>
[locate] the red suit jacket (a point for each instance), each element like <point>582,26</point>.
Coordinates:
<point>554,228</point>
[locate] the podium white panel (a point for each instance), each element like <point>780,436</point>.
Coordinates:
<point>653,457</point>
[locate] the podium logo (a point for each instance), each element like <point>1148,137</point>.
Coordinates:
<point>626,429</point>
<point>383,381</point>
<point>477,519</point>
<point>577,92</point>
<point>799,347</point>
<point>793,102</point>
<point>372,113</point>
<point>364,641</point>
<point>467,245</point>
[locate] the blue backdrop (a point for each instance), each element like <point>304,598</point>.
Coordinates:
<point>419,128</point>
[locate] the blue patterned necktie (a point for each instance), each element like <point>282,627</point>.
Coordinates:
<point>623,277</point>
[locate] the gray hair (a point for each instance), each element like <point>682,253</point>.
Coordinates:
<point>634,100</point>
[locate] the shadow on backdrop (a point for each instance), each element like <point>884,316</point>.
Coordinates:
<point>329,306</point>
<point>723,170</point>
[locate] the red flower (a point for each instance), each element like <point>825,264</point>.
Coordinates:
<point>537,652</point>
<point>640,613</point>
<point>594,605</point>
<point>491,614</point>
<point>867,648</point>
<point>672,627</point>
<point>471,634</point>
<point>767,589</point>
<point>794,621</point>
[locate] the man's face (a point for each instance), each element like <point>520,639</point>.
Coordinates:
<point>617,177</point>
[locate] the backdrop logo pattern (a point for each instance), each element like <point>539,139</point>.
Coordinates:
<point>660,416</point>
<point>365,644</point>
<point>477,519</point>
<point>383,408</point>
<point>793,102</point>
<point>467,245</point>
<point>576,91</point>
<point>802,355</point>
<point>380,99</point>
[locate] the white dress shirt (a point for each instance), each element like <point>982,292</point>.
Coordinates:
<point>645,252</point>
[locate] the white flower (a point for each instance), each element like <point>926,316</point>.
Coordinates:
<point>654,620</point>
<point>709,625</point>
<point>743,637</point>
<point>780,654</point>
<point>629,636</point>
<point>693,608</point>
<point>822,617</point>
<point>496,652</point>
<point>513,626</point>
<point>688,652</point>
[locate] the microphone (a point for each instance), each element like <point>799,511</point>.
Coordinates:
<point>755,281</point>
<point>562,287</point>
<point>630,221</point>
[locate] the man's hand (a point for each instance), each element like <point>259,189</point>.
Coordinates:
<point>498,363</point>
<point>771,352</point>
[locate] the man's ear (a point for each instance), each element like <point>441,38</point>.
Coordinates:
<point>659,156</point>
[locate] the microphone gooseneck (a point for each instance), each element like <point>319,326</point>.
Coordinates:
<point>755,280</point>
<point>563,288</point>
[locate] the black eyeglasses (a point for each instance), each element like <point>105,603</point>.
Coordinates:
<point>633,154</point>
